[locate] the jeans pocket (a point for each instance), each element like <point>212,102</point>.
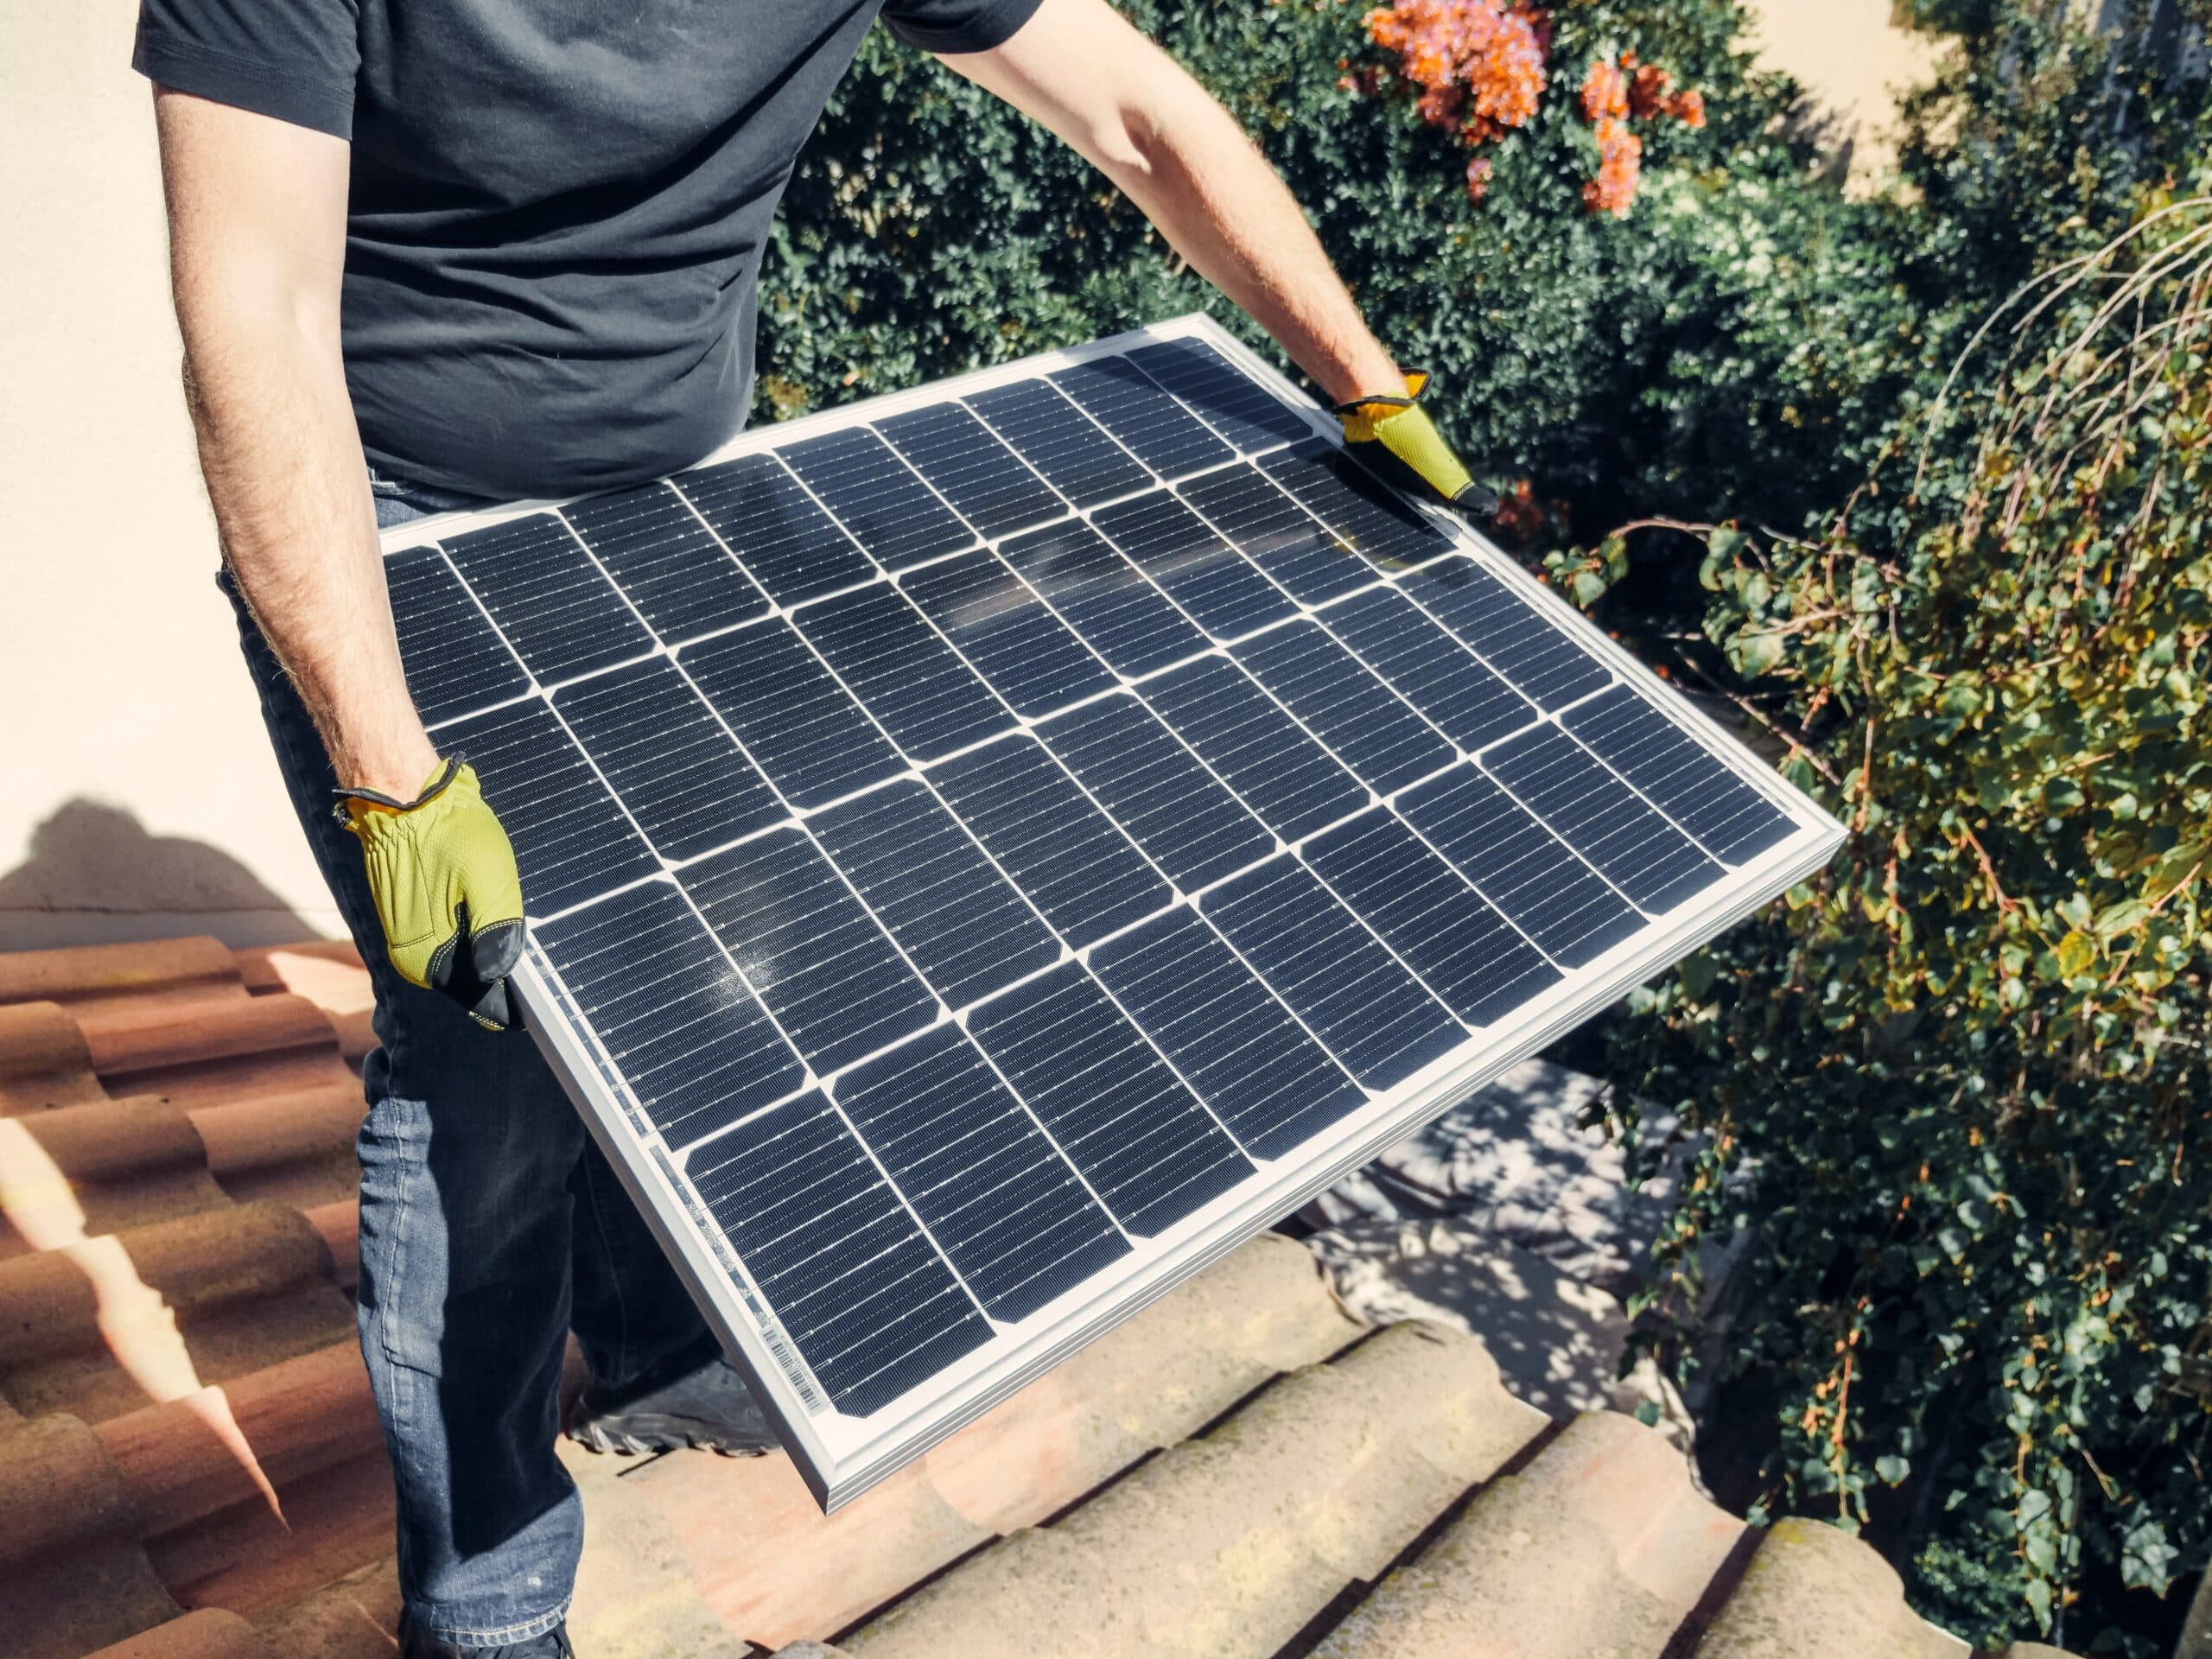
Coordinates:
<point>401,1292</point>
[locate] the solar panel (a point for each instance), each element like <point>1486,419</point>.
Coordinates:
<point>991,849</point>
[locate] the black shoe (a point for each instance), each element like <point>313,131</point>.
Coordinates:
<point>682,1401</point>
<point>552,1644</point>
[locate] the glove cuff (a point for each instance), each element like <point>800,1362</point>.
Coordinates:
<point>354,806</point>
<point>1365,417</point>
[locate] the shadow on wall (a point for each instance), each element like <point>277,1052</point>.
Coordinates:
<point>95,875</point>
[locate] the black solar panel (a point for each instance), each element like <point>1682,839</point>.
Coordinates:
<point>988,852</point>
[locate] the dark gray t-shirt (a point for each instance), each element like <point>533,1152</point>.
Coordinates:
<point>557,209</point>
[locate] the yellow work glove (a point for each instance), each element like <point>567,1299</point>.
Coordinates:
<point>443,876</point>
<point>1401,428</point>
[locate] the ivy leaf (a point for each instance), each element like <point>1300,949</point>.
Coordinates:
<point>2076,952</point>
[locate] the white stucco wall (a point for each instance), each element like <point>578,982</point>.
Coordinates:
<point>137,796</point>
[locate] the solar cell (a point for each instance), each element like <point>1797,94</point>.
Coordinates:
<point>1724,813</point>
<point>877,497</point>
<point>1355,998</point>
<point>1067,447</point>
<point>1157,789</point>
<point>1085,877</point>
<point>1291,781</point>
<point>1217,586</point>
<point>1383,528</point>
<point>856,1282</point>
<point>987,482</point>
<point>456,660</point>
<point>997,624</point>
<point>988,853</point>
<point>1588,807</point>
<point>1248,1058</point>
<point>1234,404</point>
<point>663,751</point>
<point>902,671</point>
<point>1504,629</point>
<point>764,515</point>
<point>544,595</point>
<point>794,719</point>
<point>953,914</point>
<point>695,1048</point>
<point>1104,597</point>
<point>1308,560</point>
<point>1143,419</point>
<point>1148,1147</point>
<point>1009,1212</point>
<point>1379,737</point>
<point>1428,668</point>
<point>835,984</point>
<point>682,580</point>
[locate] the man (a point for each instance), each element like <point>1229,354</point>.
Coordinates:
<point>431,253</point>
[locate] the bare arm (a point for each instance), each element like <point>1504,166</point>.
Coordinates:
<point>257,244</point>
<point>1134,113</point>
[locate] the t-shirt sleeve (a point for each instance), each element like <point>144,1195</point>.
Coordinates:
<point>956,26</point>
<point>295,59</point>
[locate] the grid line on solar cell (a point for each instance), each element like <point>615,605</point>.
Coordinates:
<point>1428,667</point>
<point>801,727</point>
<point>1541,882</point>
<point>826,969</point>
<point>777,530</point>
<point>683,580</point>
<point>1003,631</point>
<point>1592,811</point>
<point>1009,1212</point>
<point>1336,697</point>
<point>1250,744</point>
<point>694,1046</point>
<point>1507,632</point>
<point>1104,597</point>
<point>1077,866</point>
<point>667,759</point>
<point>878,498</point>
<point>455,659</point>
<point>1353,993</point>
<point>1271,1083</point>
<point>959,457</point>
<point>1230,402</point>
<point>1425,911</point>
<point>886,653</point>
<point>1159,793</point>
<point>543,592</point>
<point>1296,551</point>
<point>1216,587</point>
<point>1146,421</point>
<point>955,915</point>
<point>1150,1151</point>
<point>1077,455</point>
<point>861,1292</point>
<point>1347,497</point>
<point>1700,794</point>
<point>572,838</point>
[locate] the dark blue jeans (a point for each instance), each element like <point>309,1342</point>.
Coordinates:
<point>490,1223</point>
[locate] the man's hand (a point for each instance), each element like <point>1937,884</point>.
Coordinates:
<point>1400,428</point>
<point>443,876</point>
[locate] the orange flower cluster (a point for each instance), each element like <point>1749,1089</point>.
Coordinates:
<point>1479,65</point>
<point>1611,93</point>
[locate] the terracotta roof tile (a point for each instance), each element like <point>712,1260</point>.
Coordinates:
<point>44,1059</point>
<point>1240,1466</point>
<point>73,1574</point>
